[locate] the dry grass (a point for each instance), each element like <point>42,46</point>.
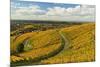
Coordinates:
<point>79,45</point>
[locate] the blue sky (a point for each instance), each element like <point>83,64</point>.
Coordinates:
<point>43,5</point>
<point>30,10</point>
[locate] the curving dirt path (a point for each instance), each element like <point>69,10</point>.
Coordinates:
<point>52,54</point>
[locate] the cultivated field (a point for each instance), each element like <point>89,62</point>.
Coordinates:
<point>33,44</point>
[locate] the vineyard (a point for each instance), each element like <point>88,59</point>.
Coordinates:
<point>67,44</point>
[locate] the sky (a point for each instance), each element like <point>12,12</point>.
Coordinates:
<point>32,10</point>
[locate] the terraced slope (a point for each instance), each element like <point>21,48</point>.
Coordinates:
<point>80,46</point>
<point>17,41</point>
<point>43,47</point>
<point>70,44</point>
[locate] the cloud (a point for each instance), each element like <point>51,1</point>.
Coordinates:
<point>78,13</point>
<point>56,11</point>
<point>60,11</point>
<point>30,10</point>
<point>23,12</point>
<point>36,12</point>
<point>78,10</point>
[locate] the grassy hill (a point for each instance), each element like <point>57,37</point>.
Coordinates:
<point>75,43</point>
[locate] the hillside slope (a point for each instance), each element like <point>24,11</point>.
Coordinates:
<point>64,45</point>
